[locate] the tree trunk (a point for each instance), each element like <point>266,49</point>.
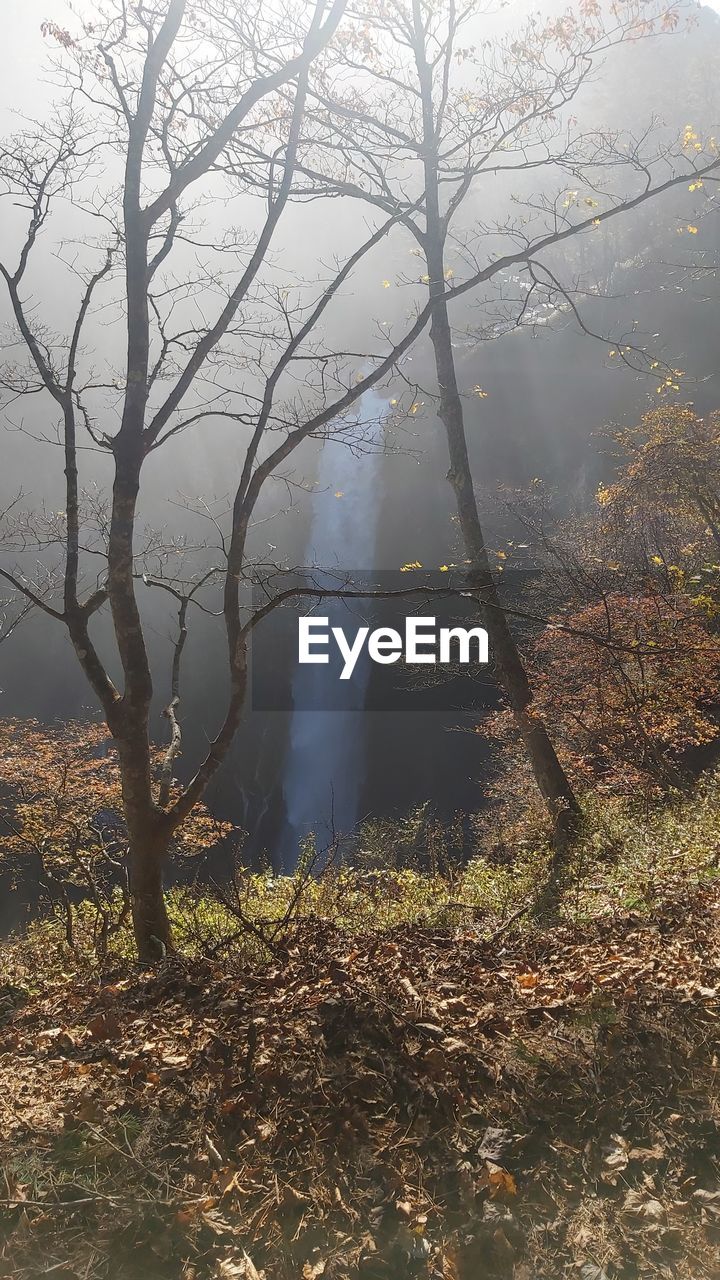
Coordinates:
<point>151,925</point>
<point>552,781</point>
<point>149,836</point>
<point>553,784</point>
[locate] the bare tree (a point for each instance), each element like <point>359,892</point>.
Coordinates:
<point>176,91</point>
<point>421,113</point>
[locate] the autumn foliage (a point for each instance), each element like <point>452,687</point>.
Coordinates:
<point>61,807</point>
<point>627,667</point>
<point>630,685</point>
<point>632,702</point>
<point>673,459</point>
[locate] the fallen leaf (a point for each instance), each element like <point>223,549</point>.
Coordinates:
<point>104,1026</point>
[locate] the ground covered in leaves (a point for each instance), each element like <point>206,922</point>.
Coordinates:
<point>377,1106</point>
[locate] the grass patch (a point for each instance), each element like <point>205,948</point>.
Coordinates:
<point>630,858</point>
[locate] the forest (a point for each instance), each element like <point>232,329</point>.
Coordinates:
<point>360,640</point>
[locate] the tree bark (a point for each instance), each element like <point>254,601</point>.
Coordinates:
<point>149,836</point>
<point>551,779</point>
<point>552,782</point>
<point>151,925</point>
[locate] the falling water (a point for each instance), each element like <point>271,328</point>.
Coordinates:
<point>326,748</point>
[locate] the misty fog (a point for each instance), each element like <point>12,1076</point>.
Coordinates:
<point>548,391</point>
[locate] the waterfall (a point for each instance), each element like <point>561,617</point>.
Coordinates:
<point>326,748</point>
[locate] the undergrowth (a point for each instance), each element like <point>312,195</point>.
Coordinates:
<point>628,859</point>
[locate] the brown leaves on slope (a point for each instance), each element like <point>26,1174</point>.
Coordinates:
<point>396,1106</point>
